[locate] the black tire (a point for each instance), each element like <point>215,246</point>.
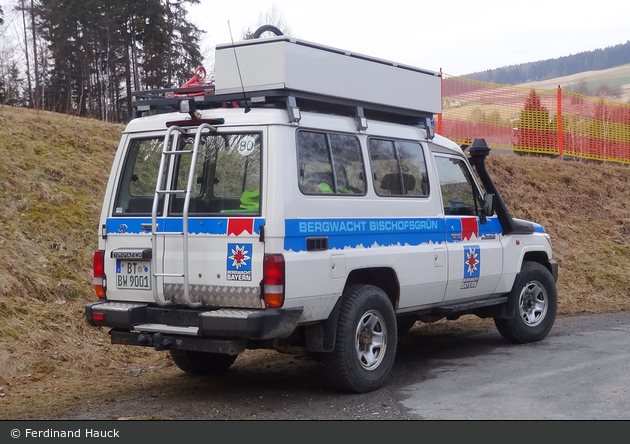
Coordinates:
<point>365,346</point>
<point>533,303</point>
<point>202,363</point>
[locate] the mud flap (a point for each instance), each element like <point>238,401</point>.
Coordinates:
<point>321,337</point>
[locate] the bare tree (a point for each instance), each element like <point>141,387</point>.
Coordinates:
<point>582,88</point>
<point>37,97</point>
<point>606,92</point>
<point>28,66</point>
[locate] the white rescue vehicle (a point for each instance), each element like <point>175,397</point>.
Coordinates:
<point>303,203</point>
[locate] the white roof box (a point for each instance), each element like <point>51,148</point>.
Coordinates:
<point>283,63</point>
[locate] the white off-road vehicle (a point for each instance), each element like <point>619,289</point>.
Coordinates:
<point>303,203</point>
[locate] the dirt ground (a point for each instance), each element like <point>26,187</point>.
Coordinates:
<point>261,385</point>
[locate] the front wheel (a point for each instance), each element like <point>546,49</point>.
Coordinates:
<point>366,341</point>
<point>533,303</point>
<point>202,363</point>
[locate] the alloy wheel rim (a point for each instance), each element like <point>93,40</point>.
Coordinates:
<point>533,303</point>
<point>371,340</point>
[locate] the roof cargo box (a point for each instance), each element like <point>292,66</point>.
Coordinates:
<point>304,68</point>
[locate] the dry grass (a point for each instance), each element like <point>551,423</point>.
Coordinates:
<point>585,207</point>
<point>53,174</point>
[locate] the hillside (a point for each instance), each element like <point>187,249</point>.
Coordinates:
<point>596,60</point>
<point>52,181</point>
<point>617,77</point>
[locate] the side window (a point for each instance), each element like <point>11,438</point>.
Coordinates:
<point>136,189</point>
<point>330,164</point>
<point>460,195</point>
<point>399,168</point>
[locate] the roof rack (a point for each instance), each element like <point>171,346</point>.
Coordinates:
<point>295,75</point>
<point>168,100</point>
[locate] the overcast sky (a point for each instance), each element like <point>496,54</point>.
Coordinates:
<point>459,37</point>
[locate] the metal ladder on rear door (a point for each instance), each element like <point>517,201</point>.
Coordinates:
<point>169,150</point>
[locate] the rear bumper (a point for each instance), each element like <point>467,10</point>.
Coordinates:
<point>174,321</point>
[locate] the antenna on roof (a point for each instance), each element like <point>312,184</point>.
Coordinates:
<point>247,108</point>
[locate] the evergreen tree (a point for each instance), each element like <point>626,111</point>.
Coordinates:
<point>184,53</point>
<point>534,130</point>
<point>103,50</point>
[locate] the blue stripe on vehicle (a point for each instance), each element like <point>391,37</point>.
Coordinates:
<point>196,225</point>
<point>538,228</point>
<point>368,233</point>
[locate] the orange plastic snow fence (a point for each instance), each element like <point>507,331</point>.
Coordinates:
<point>541,121</point>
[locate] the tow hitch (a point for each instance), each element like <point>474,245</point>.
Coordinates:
<point>158,341</point>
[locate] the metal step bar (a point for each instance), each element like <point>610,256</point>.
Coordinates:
<point>169,150</point>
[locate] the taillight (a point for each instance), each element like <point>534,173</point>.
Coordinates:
<point>273,280</point>
<point>99,273</point>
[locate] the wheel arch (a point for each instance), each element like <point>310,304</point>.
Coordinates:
<point>383,277</point>
<point>542,258</point>
<point>321,337</point>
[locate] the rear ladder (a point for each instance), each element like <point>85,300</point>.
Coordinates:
<point>169,150</point>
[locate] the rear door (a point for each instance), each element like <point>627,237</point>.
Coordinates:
<point>217,260</point>
<point>128,241</point>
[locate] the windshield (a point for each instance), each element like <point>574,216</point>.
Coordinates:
<point>226,175</point>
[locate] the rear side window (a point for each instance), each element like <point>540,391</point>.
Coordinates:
<point>330,163</point>
<point>399,168</point>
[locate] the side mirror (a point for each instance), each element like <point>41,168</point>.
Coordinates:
<point>488,204</point>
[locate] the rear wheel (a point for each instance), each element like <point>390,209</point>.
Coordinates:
<point>202,363</point>
<point>533,303</point>
<point>365,345</point>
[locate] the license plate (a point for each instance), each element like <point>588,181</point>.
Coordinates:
<point>133,274</point>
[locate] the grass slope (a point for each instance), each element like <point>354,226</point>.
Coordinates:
<point>52,179</point>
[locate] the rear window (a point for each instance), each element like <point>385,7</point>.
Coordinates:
<point>225,177</point>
